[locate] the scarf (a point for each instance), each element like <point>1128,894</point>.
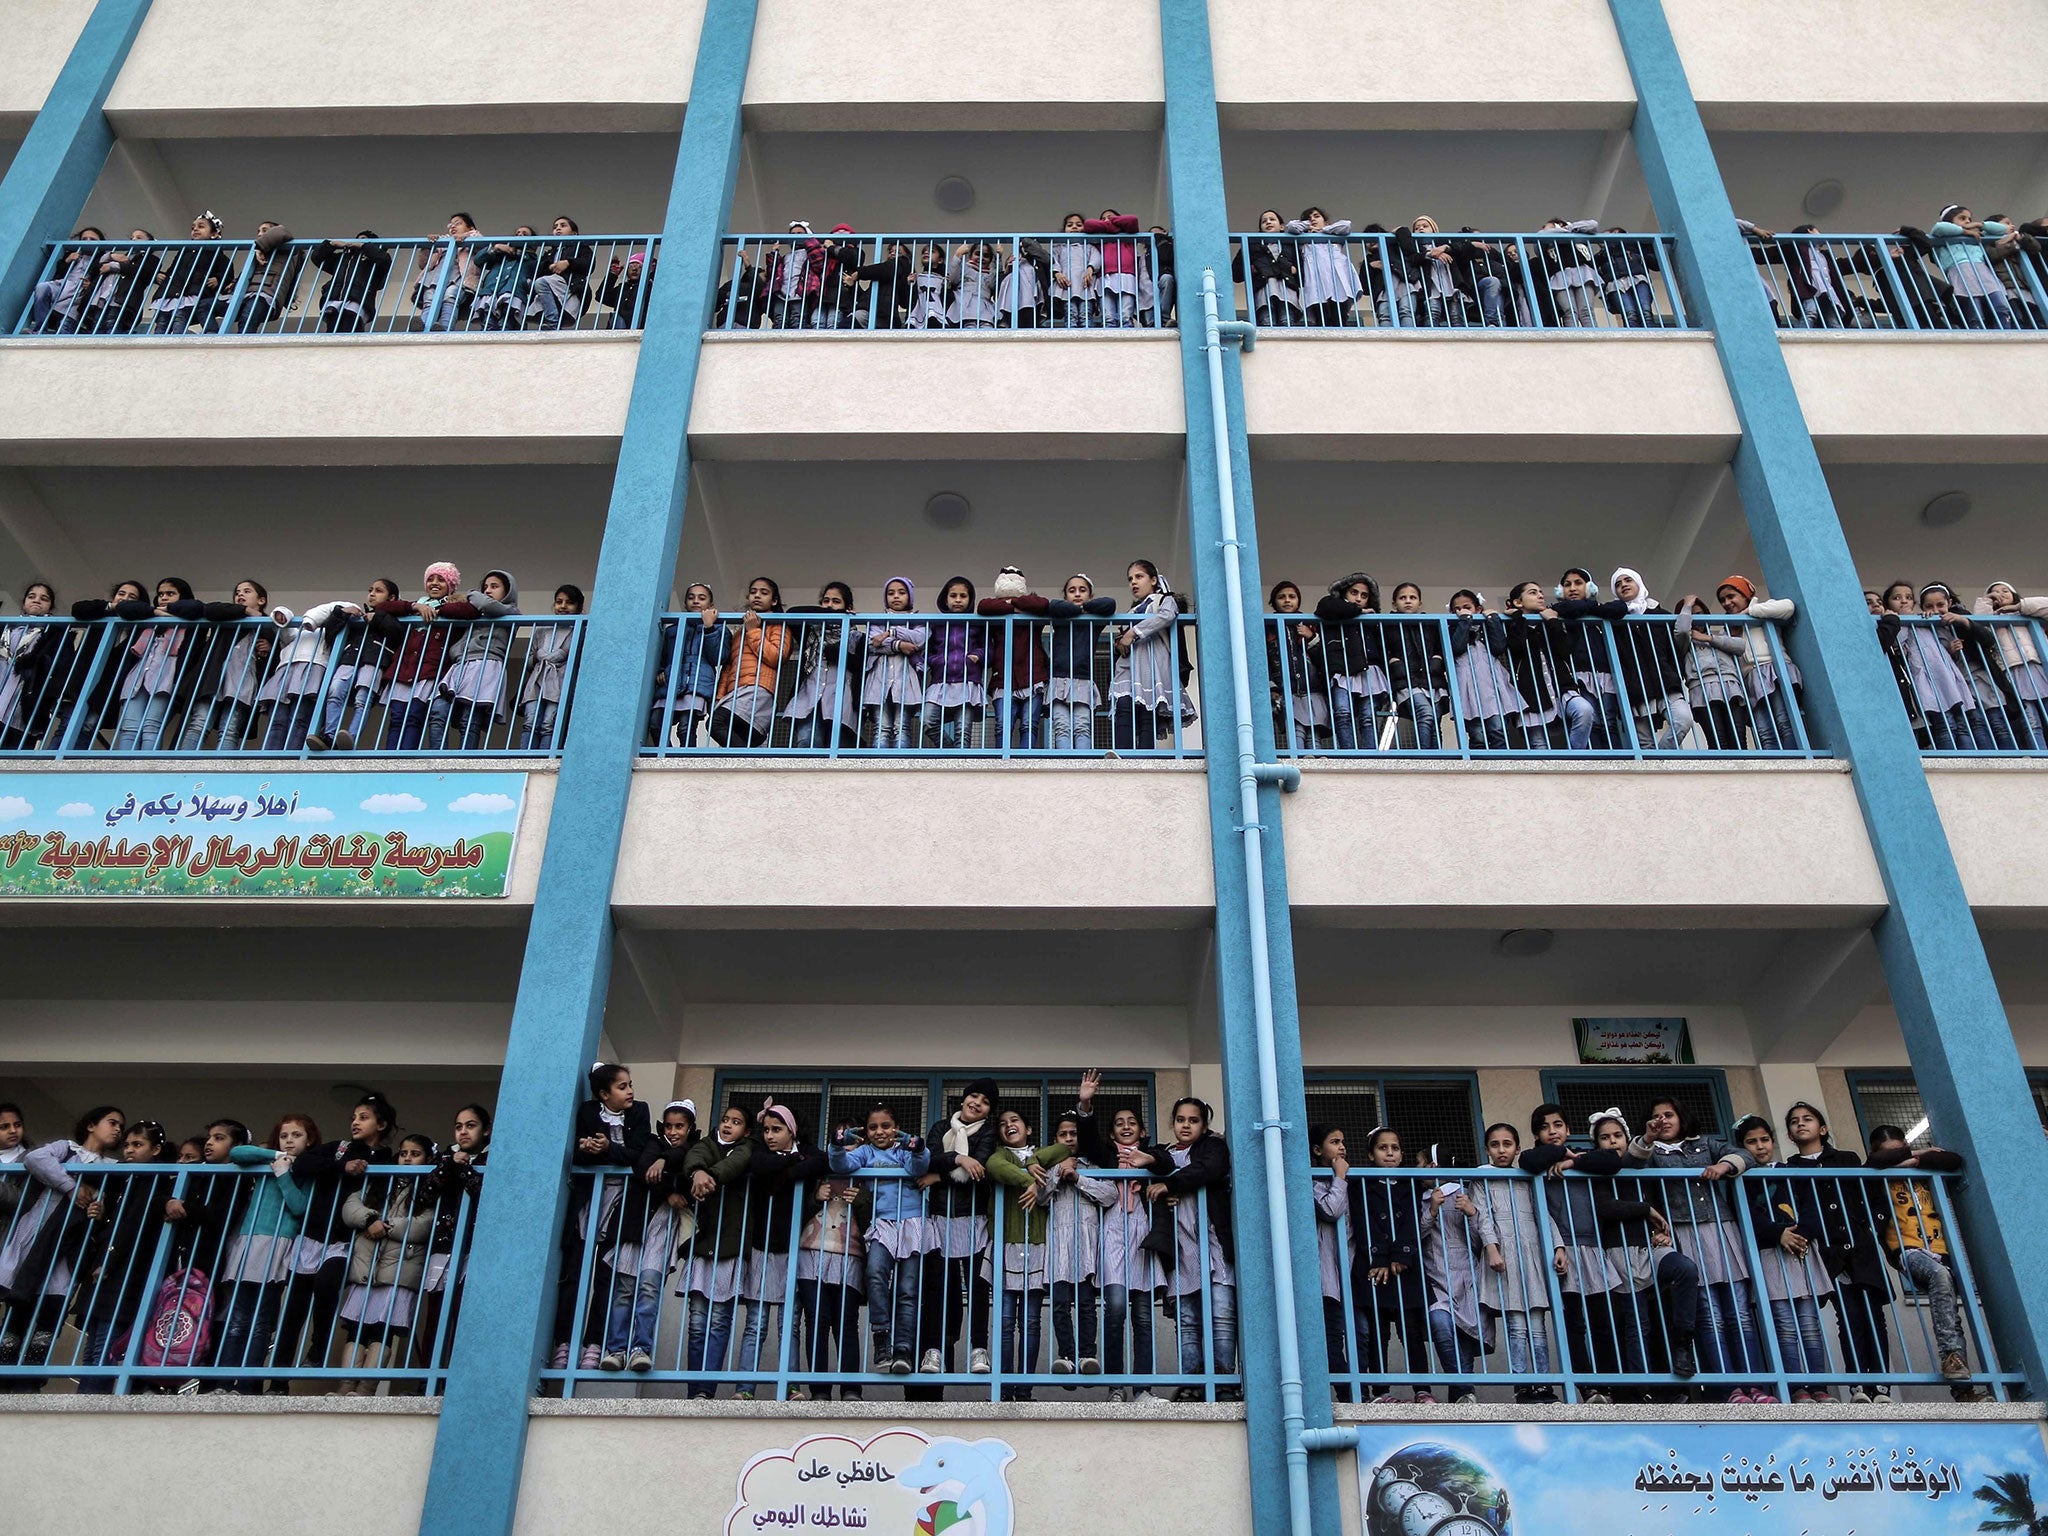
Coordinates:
<point>614,1124</point>
<point>959,1133</point>
<point>1642,600</point>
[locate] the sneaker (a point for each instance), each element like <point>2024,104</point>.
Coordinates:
<point>1063,1367</point>
<point>1595,1396</point>
<point>317,743</point>
<point>640,1360</point>
<point>1801,1395</point>
<point>559,1360</point>
<point>1759,1395</point>
<point>1859,1394</point>
<point>1881,1397</point>
<point>1820,1395</point>
<point>900,1366</point>
<point>1543,1395</point>
<point>191,1388</point>
<point>1090,1366</point>
<point>1464,1395</point>
<point>799,1393</point>
<point>1188,1395</point>
<point>344,742</point>
<point>932,1365</point>
<point>590,1358</point>
<point>1386,1397</point>
<point>1118,1395</point>
<point>1953,1366</point>
<point>977,1363</point>
<point>1426,1396</point>
<point>744,1395</point>
<point>1683,1365</point>
<point>611,1360</point>
<point>41,1342</point>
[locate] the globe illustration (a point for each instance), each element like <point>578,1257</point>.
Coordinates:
<point>1427,1489</point>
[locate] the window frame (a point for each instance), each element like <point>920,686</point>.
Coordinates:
<point>1377,1080</point>
<point>934,1080</point>
<point>1715,1079</point>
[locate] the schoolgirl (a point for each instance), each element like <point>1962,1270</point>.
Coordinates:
<point>892,683</point>
<point>831,1282</point>
<point>1329,286</point>
<point>558,293</point>
<point>258,1261</point>
<point>1124,279</point>
<point>117,1269</point>
<point>694,651</point>
<point>1129,1271</point>
<point>1389,1291</point>
<point>1650,668</point>
<point>655,1213</point>
<point>1915,1243</point>
<point>1197,1160</point>
<point>454,1186</point>
<point>1020,295</point>
<point>1576,600</point>
<point>1567,265</point>
<point>1418,676</point>
<point>1626,266</point>
<point>955,666</point>
<point>1586,1280</point>
<point>824,704</point>
<point>744,711</point>
<point>1840,1219</point>
<point>796,280</point>
<point>1077,619</point>
<point>928,290</point>
<point>1702,1217</point>
<point>43,1248</point>
<point>894,1237</point>
<point>230,672</point>
<point>356,273</point>
<point>82,714</point>
<point>195,281</point>
<point>2014,649</point>
<point>359,649</point>
<point>1515,1294</point>
<point>414,654</point>
<point>330,1172</point>
<point>1658,1323</point>
<point>1075,1206</point>
<point>1487,696</point>
<point>509,268</point>
<point>780,1171</point>
<point>472,689</point>
<point>122,290</point>
<point>1336,1246</point>
<point>547,671</point>
<point>1294,664</point>
<point>30,681</point>
<point>154,664</point>
<point>1018,665</point>
<point>1076,276</point>
<point>1018,1273</point>
<point>1274,273</point>
<point>971,275</point>
<point>1145,690</point>
<point>63,296</point>
<point>715,1171</point>
<point>387,1260</point>
<point>1795,1279</point>
<point>1715,685</point>
<point>1354,661</point>
<point>956,1230</point>
<point>1932,654</point>
<point>1457,1246</point>
<point>613,1128</point>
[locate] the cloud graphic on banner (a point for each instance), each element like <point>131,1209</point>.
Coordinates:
<point>312,813</point>
<point>835,1480</point>
<point>394,805</point>
<point>76,808</point>
<point>482,805</point>
<point>13,807</point>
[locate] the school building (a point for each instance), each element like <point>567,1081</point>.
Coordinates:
<point>1296,929</point>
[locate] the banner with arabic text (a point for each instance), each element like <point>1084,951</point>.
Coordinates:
<point>258,834</point>
<point>1753,1478</point>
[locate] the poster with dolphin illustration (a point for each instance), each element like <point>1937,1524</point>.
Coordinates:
<point>900,1482</point>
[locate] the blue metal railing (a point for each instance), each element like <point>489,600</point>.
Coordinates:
<point>162,1277</point>
<point>857,685</point>
<point>287,685</point>
<point>1569,1285</point>
<point>1111,280</point>
<point>1398,280</point>
<point>1973,686</point>
<point>1818,282</point>
<point>485,283</point>
<point>1038,1310</point>
<point>1432,685</point>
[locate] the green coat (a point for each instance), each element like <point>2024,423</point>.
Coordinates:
<point>1010,1171</point>
<point>721,1217</point>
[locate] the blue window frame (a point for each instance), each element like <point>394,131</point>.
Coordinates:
<point>1585,1091</point>
<point>822,1096</point>
<point>1893,1098</point>
<point>1427,1108</point>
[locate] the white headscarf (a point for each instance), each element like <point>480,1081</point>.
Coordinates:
<point>1642,600</point>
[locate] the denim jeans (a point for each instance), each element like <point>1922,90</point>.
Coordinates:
<point>635,1311</point>
<point>1932,1278</point>
<point>1490,309</point>
<point>710,1339</point>
<point>1637,303</point>
<point>1073,726</point>
<point>228,715</point>
<point>97,1350</point>
<point>1801,1344</point>
<point>1664,1313</point>
<point>946,726</point>
<point>1579,714</point>
<point>1771,718</point>
<point>1416,725</point>
<point>1188,1323</point>
<point>1023,1335</point>
<point>1135,729</point>
<point>1528,1339</point>
<point>1119,310</point>
<point>1117,1308</point>
<point>251,1323</point>
<point>1023,722</point>
<point>455,302</point>
<point>1356,719</point>
<point>892,1306</point>
<point>344,702</point>
<point>459,725</point>
<point>1728,1339</point>
<point>406,721</point>
<point>1487,733</point>
<point>1458,1353</point>
<point>895,726</point>
<point>142,722</point>
<point>540,716</point>
<point>1386,315</point>
<point>1072,1300</point>
<point>760,1340</point>
<point>291,717</point>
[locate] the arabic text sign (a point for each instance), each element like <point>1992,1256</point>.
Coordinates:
<point>1632,1042</point>
<point>253,834</point>
<point>1732,1479</point>
<point>899,1482</point>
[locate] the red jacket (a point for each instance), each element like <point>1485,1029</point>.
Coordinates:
<point>1117,255</point>
<point>1029,667</point>
<point>419,658</point>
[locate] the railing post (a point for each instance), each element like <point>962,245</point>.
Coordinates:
<point>1766,1320</point>
<point>158,1262</point>
<point>1897,298</point>
<point>83,707</point>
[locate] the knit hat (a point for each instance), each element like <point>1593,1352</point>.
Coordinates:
<point>1009,582</point>
<point>1741,584</point>
<point>1642,600</point>
<point>445,569</point>
<point>687,1106</point>
<point>842,229</point>
<point>986,1087</point>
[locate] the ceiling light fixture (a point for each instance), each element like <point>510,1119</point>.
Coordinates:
<point>1823,198</point>
<point>1525,943</point>
<point>1946,510</point>
<point>953,194</point>
<point>948,509</point>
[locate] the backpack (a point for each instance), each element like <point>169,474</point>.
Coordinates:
<point>180,1330</point>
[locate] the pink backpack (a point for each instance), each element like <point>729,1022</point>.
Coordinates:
<point>180,1329</point>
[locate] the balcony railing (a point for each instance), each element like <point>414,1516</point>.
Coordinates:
<point>1975,689</point>
<point>860,685</point>
<point>1431,685</point>
<point>1598,1277</point>
<point>496,284</point>
<point>936,282</point>
<point>384,686</point>
<point>760,1287</point>
<point>155,1278</point>
<point>1892,283</point>
<point>1393,281</point>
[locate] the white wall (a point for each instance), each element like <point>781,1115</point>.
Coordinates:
<point>39,38</point>
<point>1996,817</point>
<point>1927,399</point>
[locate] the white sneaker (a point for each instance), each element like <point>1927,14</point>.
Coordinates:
<point>1859,1394</point>
<point>931,1364</point>
<point>977,1363</point>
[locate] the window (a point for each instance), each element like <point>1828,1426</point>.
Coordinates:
<point>1704,1095</point>
<point>1889,1098</point>
<point>915,1098</point>
<point>1439,1111</point>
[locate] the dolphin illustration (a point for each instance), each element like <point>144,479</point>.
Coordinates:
<point>978,1470</point>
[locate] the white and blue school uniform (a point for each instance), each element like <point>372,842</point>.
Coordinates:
<point>1080,262</point>
<point>1327,276</point>
<point>974,293</point>
<point>927,300</point>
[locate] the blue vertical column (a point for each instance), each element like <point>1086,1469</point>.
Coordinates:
<point>1964,1058</point>
<point>508,1288</point>
<point>54,170</point>
<point>1201,240</point>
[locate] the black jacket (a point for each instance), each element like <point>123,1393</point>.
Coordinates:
<point>1415,655</point>
<point>1208,1169</point>
<point>1350,643</point>
<point>1539,653</point>
<point>782,1183</point>
<point>636,1133</point>
<point>1386,1216</point>
<point>448,1187</point>
<point>322,1168</point>
<point>1272,261</point>
<point>1648,654</point>
<point>971,1198</point>
<point>353,276</point>
<point>122,1245</point>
